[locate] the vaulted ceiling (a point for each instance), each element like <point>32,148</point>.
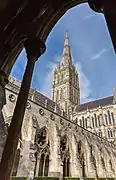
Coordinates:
<point>22,18</point>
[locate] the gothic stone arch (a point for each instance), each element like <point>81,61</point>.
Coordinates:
<point>17,23</point>
<point>42,153</point>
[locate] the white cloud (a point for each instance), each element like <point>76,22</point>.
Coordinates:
<point>84,83</point>
<point>48,81</point>
<point>88,16</point>
<point>98,55</point>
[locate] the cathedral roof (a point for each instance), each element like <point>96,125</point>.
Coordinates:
<point>95,104</point>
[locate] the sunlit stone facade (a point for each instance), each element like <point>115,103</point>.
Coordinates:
<point>61,137</point>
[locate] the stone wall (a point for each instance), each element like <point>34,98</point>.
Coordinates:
<point>89,154</point>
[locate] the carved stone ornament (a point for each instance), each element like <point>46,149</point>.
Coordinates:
<point>32,157</point>
<point>69,125</point>
<point>42,138</point>
<point>28,105</point>
<point>41,112</point>
<point>61,122</point>
<point>64,149</point>
<point>52,117</point>
<point>12,98</point>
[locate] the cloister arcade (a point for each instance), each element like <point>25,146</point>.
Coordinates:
<point>19,28</point>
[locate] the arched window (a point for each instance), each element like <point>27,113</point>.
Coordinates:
<point>99,133</point>
<point>64,168</point>
<point>83,124</point>
<point>46,166</point>
<point>109,117</point>
<point>42,157</point>
<point>113,119</point>
<point>99,119</point>
<point>93,122</point>
<point>68,167</point>
<point>86,122</point>
<point>96,124</point>
<point>106,119</point>
<point>83,166</point>
<point>41,165</point>
<point>111,133</point>
<point>80,122</point>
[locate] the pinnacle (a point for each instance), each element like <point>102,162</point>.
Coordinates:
<point>66,42</point>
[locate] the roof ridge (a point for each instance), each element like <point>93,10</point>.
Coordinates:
<point>96,100</point>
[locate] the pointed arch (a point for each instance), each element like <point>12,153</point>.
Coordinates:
<point>43,152</point>
<point>65,155</point>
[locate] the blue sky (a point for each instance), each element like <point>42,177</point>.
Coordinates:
<point>91,49</point>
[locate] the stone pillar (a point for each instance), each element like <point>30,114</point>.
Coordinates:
<point>91,171</point>
<point>75,166</point>
<point>55,159</point>
<point>34,48</point>
<point>28,160</point>
<point>102,125</point>
<point>100,170</point>
<point>89,126</point>
<point>109,9</point>
<point>3,131</point>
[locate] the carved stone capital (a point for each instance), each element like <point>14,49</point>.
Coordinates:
<point>96,5</point>
<point>35,47</point>
<point>3,78</point>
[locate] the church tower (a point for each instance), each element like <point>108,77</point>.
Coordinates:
<point>65,91</point>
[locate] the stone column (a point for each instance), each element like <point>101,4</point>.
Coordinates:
<point>75,165</point>
<point>3,131</point>
<point>102,125</point>
<point>89,126</point>
<point>37,166</point>
<point>55,159</point>
<point>34,48</point>
<point>109,9</point>
<point>91,171</point>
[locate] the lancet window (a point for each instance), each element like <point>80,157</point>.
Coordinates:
<point>99,133</point>
<point>93,122</point>
<point>111,133</point>
<point>65,156</point>
<point>96,120</point>
<point>106,119</point>
<point>86,122</point>
<point>109,117</point>
<point>113,119</point>
<point>83,124</point>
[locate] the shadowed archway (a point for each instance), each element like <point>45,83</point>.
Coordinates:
<point>21,28</point>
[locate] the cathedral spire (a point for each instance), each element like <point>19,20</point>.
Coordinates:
<point>66,55</point>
